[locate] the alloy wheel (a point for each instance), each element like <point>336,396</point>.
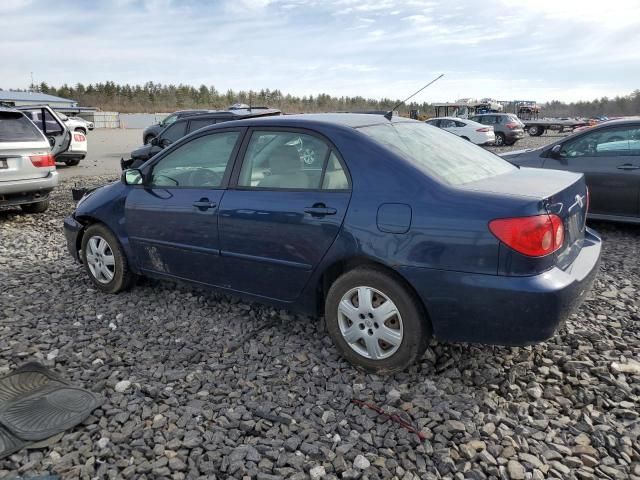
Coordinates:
<point>100,259</point>
<point>370,323</point>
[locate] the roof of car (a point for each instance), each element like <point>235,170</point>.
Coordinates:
<point>353,120</point>
<point>238,113</point>
<point>618,121</point>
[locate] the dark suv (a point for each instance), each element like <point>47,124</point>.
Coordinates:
<point>183,126</point>
<point>152,131</point>
<point>507,127</point>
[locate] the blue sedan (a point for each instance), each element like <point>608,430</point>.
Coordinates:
<point>394,230</point>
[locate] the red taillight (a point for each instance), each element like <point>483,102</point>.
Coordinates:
<point>45,160</point>
<point>78,137</point>
<point>484,129</point>
<point>532,236</point>
<point>512,125</point>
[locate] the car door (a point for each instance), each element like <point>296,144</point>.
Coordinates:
<point>287,206</point>
<point>51,126</point>
<point>172,220</point>
<point>609,159</point>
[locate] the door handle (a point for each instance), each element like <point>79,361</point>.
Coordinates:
<point>320,211</point>
<point>204,204</point>
<point>628,166</point>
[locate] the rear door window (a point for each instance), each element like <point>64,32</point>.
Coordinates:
<point>283,160</point>
<point>15,127</point>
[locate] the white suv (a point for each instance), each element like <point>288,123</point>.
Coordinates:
<point>27,159</point>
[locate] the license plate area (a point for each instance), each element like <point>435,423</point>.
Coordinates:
<point>575,226</point>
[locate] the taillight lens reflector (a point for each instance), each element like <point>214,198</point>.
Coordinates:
<point>512,125</point>
<point>534,236</point>
<point>42,161</point>
<point>79,137</point>
<point>484,129</point>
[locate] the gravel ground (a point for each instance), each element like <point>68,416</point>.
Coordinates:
<point>204,386</point>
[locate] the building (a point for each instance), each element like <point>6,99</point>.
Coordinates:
<point>24,99</point>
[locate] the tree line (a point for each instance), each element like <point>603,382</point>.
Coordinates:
<point>156,97</point>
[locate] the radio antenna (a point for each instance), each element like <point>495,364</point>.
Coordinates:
<point>389,114</point>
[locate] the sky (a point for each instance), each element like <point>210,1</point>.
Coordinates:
<point>567,50</point>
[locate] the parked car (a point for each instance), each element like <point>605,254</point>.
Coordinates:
<point>186,125</point>
<point>400,232</point>
<point>609,156</point>
<point>27,164</point>
<point>50,123</point>
<point>507,127</point>
<point>76,124</point>
<point>152,131</point>
<point>468,129</point>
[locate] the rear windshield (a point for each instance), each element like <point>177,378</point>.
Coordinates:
<point>438,153</point>
<point>15,127</point>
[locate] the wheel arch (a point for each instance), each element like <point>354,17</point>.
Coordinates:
<point>340,267</point>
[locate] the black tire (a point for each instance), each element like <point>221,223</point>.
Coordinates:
<point>500,139</point>
<point>123,278</point>
<point>415,323</point>
<point>38,207</point>
<point>535,131</point>
<point>72,163</point>
<point>148,138</point>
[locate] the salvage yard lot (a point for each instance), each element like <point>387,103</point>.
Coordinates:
<point>201,385</point>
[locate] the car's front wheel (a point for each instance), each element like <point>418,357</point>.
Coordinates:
<point>104,260</point>
<point>72,162</point>
<point>148,138</point>
<point>375,322</point>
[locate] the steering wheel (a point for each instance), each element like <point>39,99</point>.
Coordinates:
<point>203,177</point>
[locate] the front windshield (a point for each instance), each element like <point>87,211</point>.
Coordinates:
<point>438,153</point>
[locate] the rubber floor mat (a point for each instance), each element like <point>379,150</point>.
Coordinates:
<point>36,404</point>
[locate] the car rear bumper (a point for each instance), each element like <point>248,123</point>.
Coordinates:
<point>505,310</point>
<point>72,229</point>
<point>514,134</point>
<point>31,185</point>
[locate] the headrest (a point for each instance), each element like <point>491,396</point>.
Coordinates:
<point>284,159</point>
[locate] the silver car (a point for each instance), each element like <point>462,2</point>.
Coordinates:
<point>27,160</point>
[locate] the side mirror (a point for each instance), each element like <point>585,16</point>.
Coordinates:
<point>165,142</point>
<point>555,151</point>
<point>154,141</point>
<point>133,176</point>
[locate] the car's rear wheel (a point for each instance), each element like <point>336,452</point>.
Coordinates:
<point>500,139</point>
<point>375,322</point>
<point>72,163</point>
<point>148,138</point>
<point>534,131</point>
<point>104,260</point>
<point>37,207</point>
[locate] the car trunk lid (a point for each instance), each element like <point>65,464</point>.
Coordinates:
<point>546,191</point>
